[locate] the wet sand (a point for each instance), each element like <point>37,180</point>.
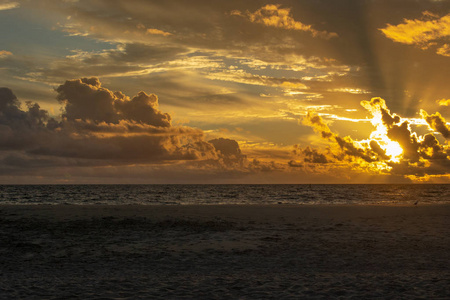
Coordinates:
<point>224,252</point>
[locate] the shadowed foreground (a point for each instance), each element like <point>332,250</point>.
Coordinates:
<point>245,252</point>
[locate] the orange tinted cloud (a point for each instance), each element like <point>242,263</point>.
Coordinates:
<point>420,156</point>
<point>272,15</point>
<point>437,123</point>
<point>9,5</point>
<point>444,50</point>
<point>157,32</point>
<point>4,53</point>
<point>444,102</point>
<point>424,33</point>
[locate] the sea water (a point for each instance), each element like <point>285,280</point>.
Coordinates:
<point>225,194</point>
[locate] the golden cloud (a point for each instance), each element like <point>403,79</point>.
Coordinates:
<point>241,76</point>
<point>9,5</point>
<point>444,50</point>
<point>4,53</point>
<point>391,149</point>
<point>423,33</point>
<point>157,32</point>
<point>272,15</point>
<point>436,122</point>
<point>444,102</point>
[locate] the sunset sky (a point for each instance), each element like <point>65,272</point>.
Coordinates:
<point>146,91</point>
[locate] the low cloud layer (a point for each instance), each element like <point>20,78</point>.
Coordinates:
<point>392,148</point>
<point>102,125</point>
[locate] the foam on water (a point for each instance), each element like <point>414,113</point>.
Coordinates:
<point>224,194</point>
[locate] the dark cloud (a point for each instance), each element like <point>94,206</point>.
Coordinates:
<point>295,164</point>
<point>431,149</point>
<point>378,150</point>
<point>99,124</point>
<point>229,150</point>
<point>85,99</point>
<point>102,128</point>
<point>313,156</point>
<point>436,122</point>
<point>227,147</point>
<point>421,157</point>
<point>407,140</point>
<point>347,149</point>
<point>20,129</point>
<point>12,115</point>
<point>316,122</point>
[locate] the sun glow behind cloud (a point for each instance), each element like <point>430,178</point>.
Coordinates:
<point>263,68</point>
<point>392,148</point>
<point>380,134</point>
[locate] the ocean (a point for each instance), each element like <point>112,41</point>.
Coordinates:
<point>166,194</point>
<point>182,251</point>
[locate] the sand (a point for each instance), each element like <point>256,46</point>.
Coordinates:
<point>225,252</point>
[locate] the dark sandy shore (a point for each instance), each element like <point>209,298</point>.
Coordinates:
<point>224,252</point>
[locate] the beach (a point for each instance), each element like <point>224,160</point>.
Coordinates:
<point>225,251</point>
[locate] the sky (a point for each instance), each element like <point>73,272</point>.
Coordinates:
<point>146,91</point>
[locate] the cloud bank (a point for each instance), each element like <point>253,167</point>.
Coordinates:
<point>99,124</point>
<point>392,149</point>
<point>106,130</point>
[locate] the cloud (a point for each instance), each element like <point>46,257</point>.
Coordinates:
<point>391,149</point>
<point>423,33</point>
<point>344,148</point>
<point>99,124</point>
<point>436,122</point>
<point>86,99</point>
<point>157,32</point>
<point>313,156</point>
<point>135,53</point>
<point>21,128</point>
<point>270,60</point>
<point>231,153</point>
<point>272,15</point>
<point>444,50</point>
<point>4,53</point>
<point>99,128</point>
<point>316,122</point>
<point>295,164</point>
<point>240,76</point>
<point>5,5</point>
<point>444,102</point>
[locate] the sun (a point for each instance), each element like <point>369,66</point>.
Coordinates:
<point>393,149</point>
<point>380,134</point>
<point>390,147</point>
